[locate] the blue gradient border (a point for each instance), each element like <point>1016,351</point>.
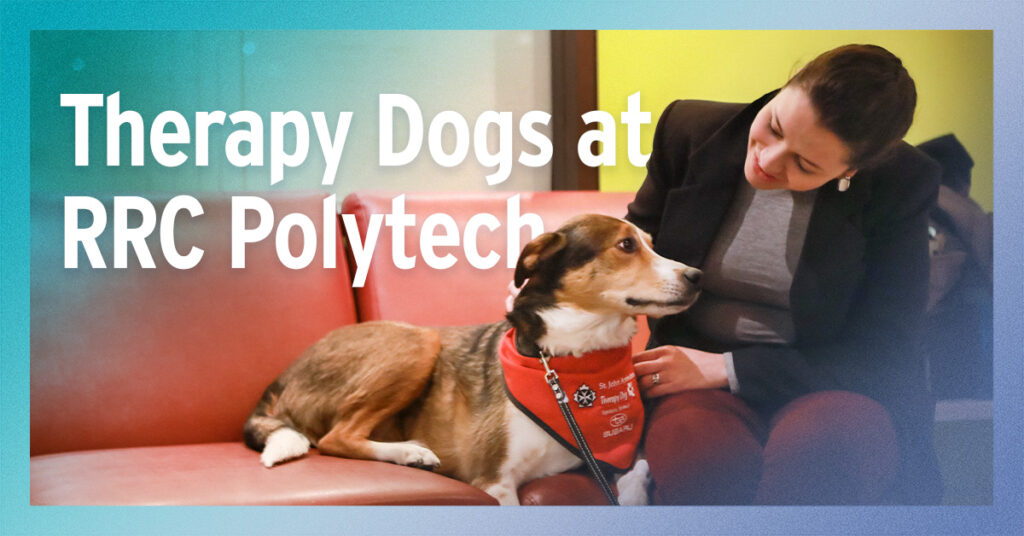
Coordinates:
<point>1005,516</point>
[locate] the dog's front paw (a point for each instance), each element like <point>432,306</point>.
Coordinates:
<point>421,457</point>
<point>505,492</point>
<point>634,484</point>
<point>410,453</point>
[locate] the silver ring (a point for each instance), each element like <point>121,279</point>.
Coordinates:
<point>655,378</point>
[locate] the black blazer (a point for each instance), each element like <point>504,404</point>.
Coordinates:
<point>859,290</point>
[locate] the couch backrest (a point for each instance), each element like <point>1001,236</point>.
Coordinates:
<point>132,357</point>
<point>461,294</point>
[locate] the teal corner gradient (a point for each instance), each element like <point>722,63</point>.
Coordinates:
<point>1005,516</point>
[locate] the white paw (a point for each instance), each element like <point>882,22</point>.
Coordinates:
<point>505,492</point>
<point>417,455</point>
<point>283,444</point>
<point>633,485</point>
<point>411,453</point>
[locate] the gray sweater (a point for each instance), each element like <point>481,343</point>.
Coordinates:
<point>749,270</point>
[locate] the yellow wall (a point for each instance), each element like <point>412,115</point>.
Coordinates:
<point>952,70</point>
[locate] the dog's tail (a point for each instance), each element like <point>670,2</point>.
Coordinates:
<point>264,432</point>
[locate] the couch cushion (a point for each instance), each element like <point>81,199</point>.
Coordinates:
<point>133,357</point>
<point>230,474</point>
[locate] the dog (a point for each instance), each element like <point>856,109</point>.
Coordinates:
<point>437,398</point>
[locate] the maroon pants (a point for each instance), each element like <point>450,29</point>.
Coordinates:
<point>709,447</point>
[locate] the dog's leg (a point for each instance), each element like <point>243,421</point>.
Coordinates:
<point>633,484</point>
<point>505,491</point>
<point>381,396</point>
<point>347,442</point>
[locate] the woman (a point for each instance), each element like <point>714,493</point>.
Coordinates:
<point>796,378</point>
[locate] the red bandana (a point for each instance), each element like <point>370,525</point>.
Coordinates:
<point>603,395</point>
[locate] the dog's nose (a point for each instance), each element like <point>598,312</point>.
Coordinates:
<point>693,275</point>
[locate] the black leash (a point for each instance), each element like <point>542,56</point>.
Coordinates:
<point>563,404</point>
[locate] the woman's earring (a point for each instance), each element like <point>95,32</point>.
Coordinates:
<point>844,183</point>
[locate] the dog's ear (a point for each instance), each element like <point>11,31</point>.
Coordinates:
<point>536,252</point>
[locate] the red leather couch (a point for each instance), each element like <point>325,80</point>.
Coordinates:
<point>141,379</point>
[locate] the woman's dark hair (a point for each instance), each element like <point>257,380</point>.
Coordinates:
<point>864,95</point>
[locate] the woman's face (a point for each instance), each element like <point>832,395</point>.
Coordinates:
<point>789,149</point>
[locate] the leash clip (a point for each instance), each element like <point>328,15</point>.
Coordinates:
<point>550,375</point>
<point>552,378</point>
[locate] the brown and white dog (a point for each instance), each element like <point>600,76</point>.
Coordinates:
<point>435,397</point>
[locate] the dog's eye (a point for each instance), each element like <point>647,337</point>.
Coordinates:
<point>627,245</point>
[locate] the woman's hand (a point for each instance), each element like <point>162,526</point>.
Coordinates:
<point>678,369</point>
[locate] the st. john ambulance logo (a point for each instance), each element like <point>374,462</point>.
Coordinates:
<point>584,396</point>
